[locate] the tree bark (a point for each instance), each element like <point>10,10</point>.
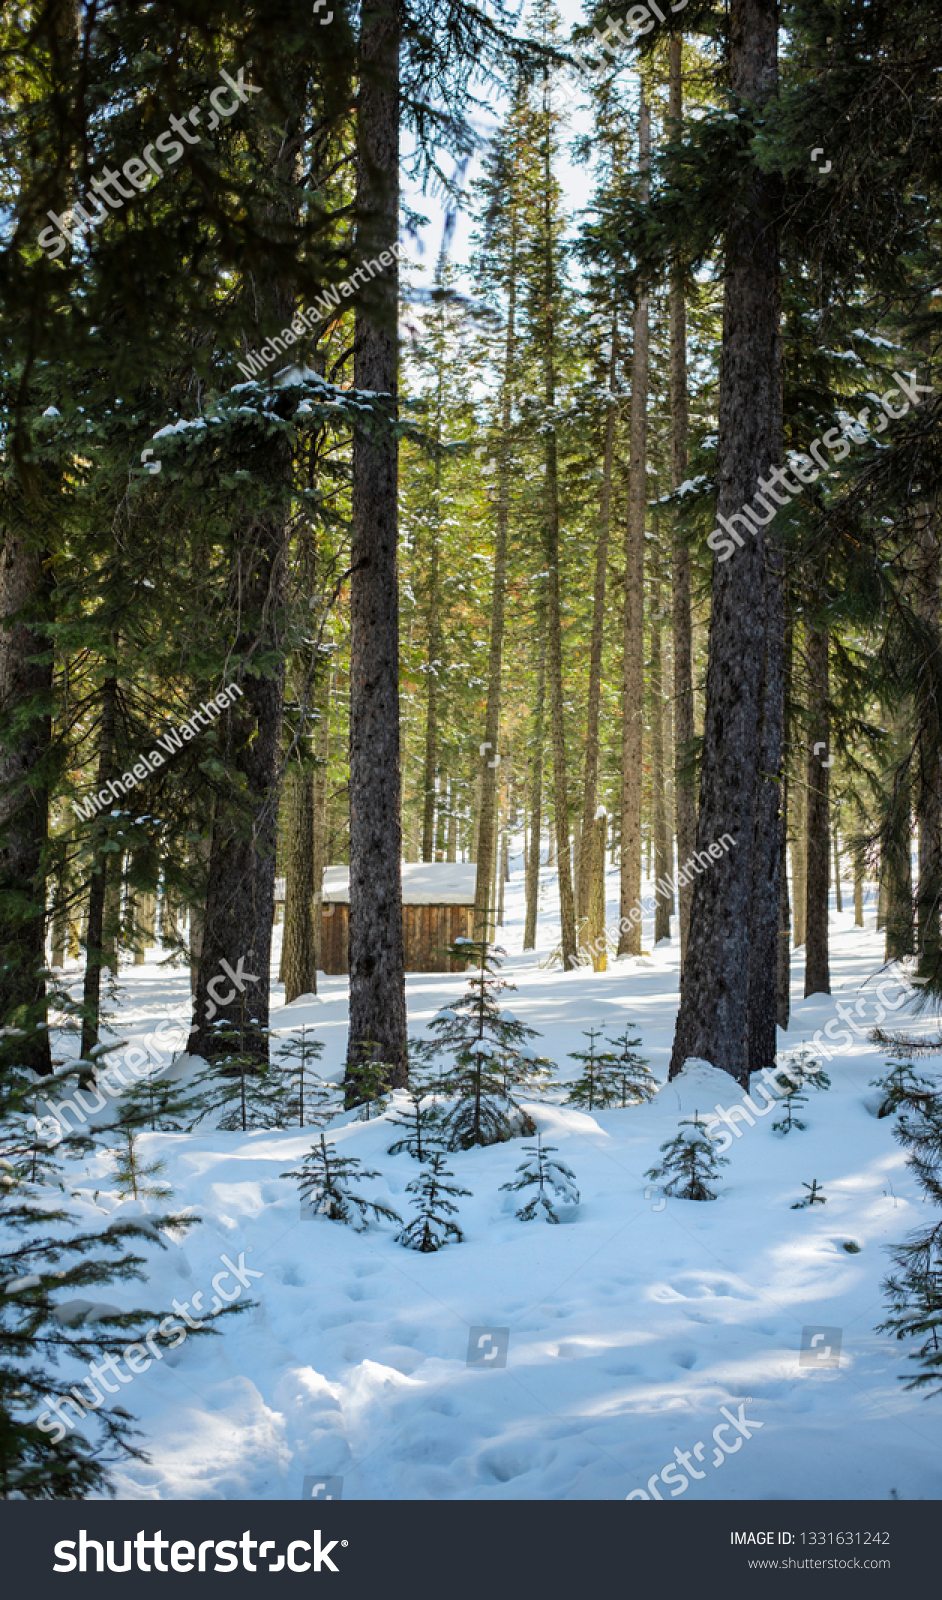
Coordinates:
<point>629,939</point>
<point>662,851</point>
<point>567,910</point>
<point>594,698</point>
<point>818,827</point>
<point>25,748</point>
<point>94,927</point>
<point>489,751</point>
<point>720,1018</point>
<point>377,976</point>
<point>929,778</point>
<point>595,933</point>
<point>298,960</point>
<point>838,904</point>
<point>685,804</point>
<point>536,794</point>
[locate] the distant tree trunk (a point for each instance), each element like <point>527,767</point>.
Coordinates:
<point>94,927</point>
<point>431,717</point>
<point>567,910</point>
<point>783,983</point>
<point>838,904</point>
<point>319,790</point>
<point>451,841</point>
<point>799,868</point>
<point>897,869</point>
<point>858,890</point>
<point>662,852</point>
<point>298,958</point>
<point>25,747</point>
<point>685,802</point>
<point>594,698</point>
<point>377,976</point>
<point>536,796</point>
<point>817,974</point>
<point>490,754</point>
<point>735,901</point>
<point>629,940</point>
<point>595,933</point>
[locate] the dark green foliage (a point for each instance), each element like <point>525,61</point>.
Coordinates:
<point>595,1087</point>
<point>322,1181</point>
<point>55,1263</point>
<point>814,1197</point>
<point>430,1228</point>
<point>548,1178</point>
<point>633,1081</point>
<point>690,1163</point>
<point>133,1176</point>
<point>903,1088</point>
<point>238,1089</point>
<point>423,1125</point>
<point>914,1290</point>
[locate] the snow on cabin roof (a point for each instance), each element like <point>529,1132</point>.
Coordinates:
<point>424,883</point>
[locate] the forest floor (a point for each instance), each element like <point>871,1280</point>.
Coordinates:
<point>630,1326</point>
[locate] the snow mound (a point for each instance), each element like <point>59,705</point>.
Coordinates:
<point>562,1121</point>
<point>699,1085</point>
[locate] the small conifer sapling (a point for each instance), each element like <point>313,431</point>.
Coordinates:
<point>431,1227</point>
<point>323,1180</point>
<point>553,1181</point>
<point>690,1163</point>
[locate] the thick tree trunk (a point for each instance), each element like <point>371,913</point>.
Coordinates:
<point>818,828</point>
<point>377,977</point>
<point>25,736</point>
<point>629,941</point>
<point>298,960</point>
<point>685,803</point>
<point>721,1019</point>
<point>594,698</point>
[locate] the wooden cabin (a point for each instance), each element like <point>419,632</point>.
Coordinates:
<point>437,909</point>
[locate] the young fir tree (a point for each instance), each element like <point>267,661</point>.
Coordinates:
<point>547,1177</point>
<point>633,1080</point>
<point>430,1228</point>
<point>810,1069</point>
<point>690,1163</point>
<point>156,1103</point>
<point>792,1097</point>
<point>303,1096</point>
<point>423,1127</point>
<point>596,1086</point>
<point>322,1181</point>
<point>915,1288</point>
<point>814,1197</point>
<point>134,1177</point>
<point>491,1056</point>
<point>237,1087</point>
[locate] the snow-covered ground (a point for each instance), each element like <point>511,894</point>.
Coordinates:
<point>630,1327</point>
